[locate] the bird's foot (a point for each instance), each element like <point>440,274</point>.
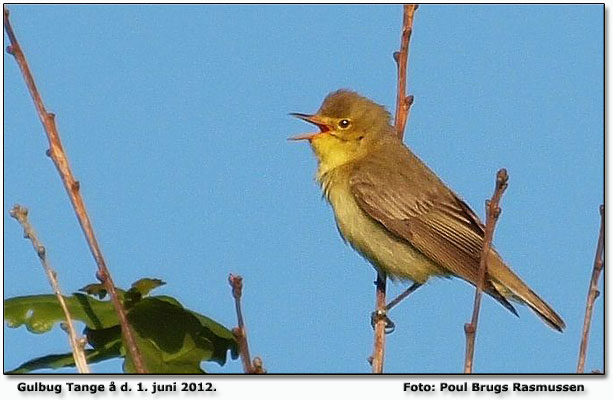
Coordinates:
<point>379,315</point>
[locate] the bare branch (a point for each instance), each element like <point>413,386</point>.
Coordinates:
<point>258,366</point>
<point>240,333</point>
<point>376,360</point>
<point>20,213</point>
<point>72,186</point>
<point>404,102</point>
<point>592,294</point>
<point>492,211</point>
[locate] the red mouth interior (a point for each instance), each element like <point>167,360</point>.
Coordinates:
<point>322,127</point>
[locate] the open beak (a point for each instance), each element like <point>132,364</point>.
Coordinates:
<point>313,119</point>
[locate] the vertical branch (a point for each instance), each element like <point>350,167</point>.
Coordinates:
<point>404,102</point>
<point>592,295</point>
<point>20,213</point>
<point>240,333</point>
<point>379,342</point>
<point>236,282</point>
<point>72,186</point>
<point>492,211</point>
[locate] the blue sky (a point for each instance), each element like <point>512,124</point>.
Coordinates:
<point>175,122</point>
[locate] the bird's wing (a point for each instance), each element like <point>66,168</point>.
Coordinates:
<point>427,215</point>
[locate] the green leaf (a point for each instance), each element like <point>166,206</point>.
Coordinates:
<point>99,290</point>
<point>41,312</point>
<point>98,338</point>
<point>176,337</point>
<point>146,285</point>
<point>171,339</point>
<point>219,335</point>
<point>55,361</point>
<point>94,289</point>
<point>163,322</point>
<point>185,361</point>
<point>140,289</point>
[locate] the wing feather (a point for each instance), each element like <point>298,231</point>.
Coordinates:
<point>431,218</point>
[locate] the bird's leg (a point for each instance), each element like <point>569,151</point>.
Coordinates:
<point>380,313</point>
<point>402,296</point>
<point>389,324</point>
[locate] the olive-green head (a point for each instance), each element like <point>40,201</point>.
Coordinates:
<point>349,125</point>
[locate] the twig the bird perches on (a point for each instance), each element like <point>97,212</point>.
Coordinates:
<point>403,104</point>
<point>592,294</point>
<point>240,333</point>
<point>492,212</point>
<point>376,360</point>
<point>60,159</point>
<point>20,213</point>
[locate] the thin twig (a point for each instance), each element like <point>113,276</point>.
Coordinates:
<point>404,102</point>
<point>240,333</point>
<point>592,294</point>
<point>376,360</point>
<point>20,213</point>
<point>60,159</point>
<point>258,366</point>
<point>492,211</point>
<point>236,282</point>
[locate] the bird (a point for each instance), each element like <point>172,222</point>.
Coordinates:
<point>395,211</point>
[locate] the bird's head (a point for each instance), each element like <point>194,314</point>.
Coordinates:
<point>349,125</point>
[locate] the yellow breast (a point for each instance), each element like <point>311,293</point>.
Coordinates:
<point>394,256</point>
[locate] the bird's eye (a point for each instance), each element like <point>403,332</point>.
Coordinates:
<point>344,123</point>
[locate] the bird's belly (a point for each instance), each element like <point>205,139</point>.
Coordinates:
<point>396,257</point>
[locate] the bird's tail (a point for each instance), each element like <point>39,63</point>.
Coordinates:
<point>512,287</point>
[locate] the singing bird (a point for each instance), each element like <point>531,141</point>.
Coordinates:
<point>393,210</point>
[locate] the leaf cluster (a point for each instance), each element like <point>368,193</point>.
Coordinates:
<point>171,338</point>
